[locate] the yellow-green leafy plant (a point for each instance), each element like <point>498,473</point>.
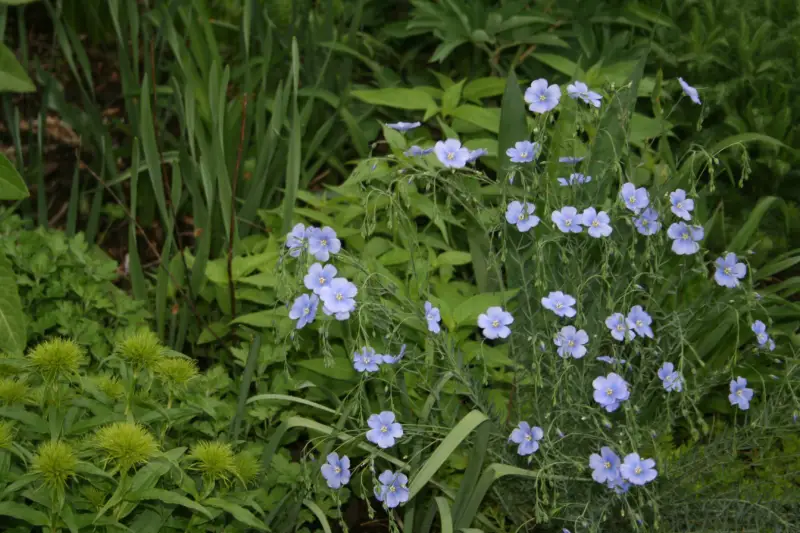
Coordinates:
<point>141,350</point>
<point>246,467</point>
<point>54,464</point>
<point>214,460</point>
<point>13,391</point>
<point>126,445</point>
<point>6,434</point>
<point>55,359</point>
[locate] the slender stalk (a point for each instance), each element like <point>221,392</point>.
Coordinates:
<point>232,229</point>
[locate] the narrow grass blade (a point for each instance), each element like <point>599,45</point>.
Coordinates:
<point>244,386</point>
<point>295,147</point>
<point>456,436</point>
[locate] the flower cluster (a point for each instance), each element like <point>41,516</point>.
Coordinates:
<point>367,361</point>
<point>763,339</point>
<point>619,475</point>
<point>319,242</point>
<point>628,327</point>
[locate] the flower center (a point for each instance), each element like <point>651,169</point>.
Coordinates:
<point>392,489</point>
<point>337,469</point>
<point>324,242</point>
<point>637,470</point>
<point>738,393</point>
<point>521,217</point>
<point>339,296</point>
<point>620,327</point>
<point>631,199</point>
<point>609,391</point>
<point>384,429</point>
<point>571,344</point>
<point>568,222</point>
<point>523,154</point>
<point>727,271</point>
<point>495,323</point>
<point>679,205</point>
<point>762,337</point>
<point>306,310</point>
<point>607,464</point>
<point>685,236</point>
<point>542,97</point>
<point>595,223</point>
<point>451,156</point>
<point>639,323</point>
<point>559,305</point>
<point>644,223</point>
<point>322,280</point>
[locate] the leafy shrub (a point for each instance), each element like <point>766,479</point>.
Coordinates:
<point>400,218</point>
<point>93,441</point>
<point>67,287</point>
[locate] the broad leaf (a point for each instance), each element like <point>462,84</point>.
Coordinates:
<point>12,186</point>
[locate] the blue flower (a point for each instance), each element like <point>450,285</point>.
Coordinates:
<point>523,152</point>
<point>647,223</point>
<point>475,154</point>
<point>336,471</point>
<point>392,359</point>
<point>571,342</point>
<point>690,91</point>
<point>304,309</point>
<point>574,178</point>
<point>559,303</point>
<point>611,360</point>
<point>637,470</point>
<point>605,465</point>
<point>417,151</point>
<point>393,490</point>
<point>610,391</point>
<point>760,329</point>
<point>570,160</point>
<point>404,126</point>
<point>338,298</point>
<point>729,272</point>
<point>580,90</point>
<point>319,276</point>
<point>619,485</point>
<point>495,323</point>
<point>740,395</point>
<point>596,223</point>
<point>568,220</point>
<point>297,240</point>
<point>433,317</point>
<point>527,437</point>
<point>684,238</point>
<point>633,198</point>
<point>323,242</point>
<point>367,360</point>
<point>521,215</point>
<point>640,321</point>
<point>383,429</point>
<point>541,97</point>
<point>681,206</point>
<point>621,328</point>
<point>671,379</point>
<point>451,154</point>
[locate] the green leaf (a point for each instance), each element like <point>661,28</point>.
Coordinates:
<point>744,138</point>
<point>562,65</point>
<point>341,369</point>
<point>320,514</point>
<point>287,398</point>
<point>237,511</point>
<point>453,258</point>
<point>12,320</point>
<point>751,224</point>
<point>456,436</point>
<point>469,310</point>
<point>487,118</point>
<point>13,78</point>
<point>12,186</point>
<point>398,98</point>
<point>170,497</point>
<point>444,514</point>
<point>451,97</point>
<point>483,88</point>
<point>25,513</point>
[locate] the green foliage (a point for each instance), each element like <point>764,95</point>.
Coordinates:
<point>66,288</point>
